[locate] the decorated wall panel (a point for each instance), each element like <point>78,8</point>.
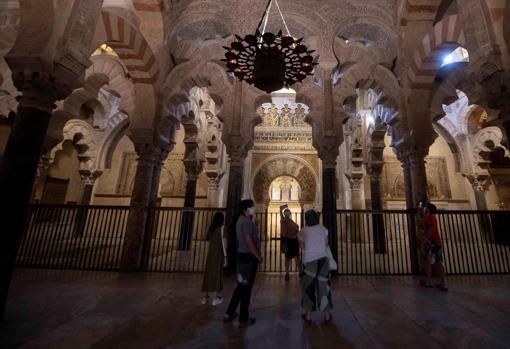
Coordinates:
<point>437,176</point>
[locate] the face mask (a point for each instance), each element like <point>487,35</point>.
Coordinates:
<point>251,211</point>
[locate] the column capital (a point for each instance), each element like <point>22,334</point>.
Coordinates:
<point>479,183</point>
<point>237,148</point>
<point>148,154</point>
<point>193,168</point>
<point>89,177</point>
<point>43,165</point>
<point>375,170</point>
<point>356,183</point>
<point>328,149</point>
<point>38,90</point>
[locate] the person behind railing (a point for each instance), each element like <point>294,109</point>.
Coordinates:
<point>316,281</point>
<point>288,240</point>
<point>248,259</point>
<point>216,260</point>
<point>434,245</point>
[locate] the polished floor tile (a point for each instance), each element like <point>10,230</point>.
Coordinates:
<point>77,309</point>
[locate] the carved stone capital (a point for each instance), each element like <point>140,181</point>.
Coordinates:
<point>43,165</point>
<point>88,177</point>
<point>356,183</point>
<point>479,183</point>
<point>193,168</point>
<point>38,90</point>
<point>147,154</point>
<point>328,149</point>
<point>237,148</point>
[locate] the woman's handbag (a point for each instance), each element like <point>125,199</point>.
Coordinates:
<point>331,260</point>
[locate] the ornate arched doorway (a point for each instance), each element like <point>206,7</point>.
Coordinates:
<point>285,166</point>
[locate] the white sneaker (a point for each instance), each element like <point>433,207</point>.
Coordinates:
<point>217,301</point>
<point>205,300</point>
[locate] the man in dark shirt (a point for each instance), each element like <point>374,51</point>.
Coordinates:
<point>248,259</point>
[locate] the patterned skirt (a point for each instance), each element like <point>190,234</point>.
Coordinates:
<point>316,286</point>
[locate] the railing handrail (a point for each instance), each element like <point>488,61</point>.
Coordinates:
<point>175,208</point>
<point>114,207</point>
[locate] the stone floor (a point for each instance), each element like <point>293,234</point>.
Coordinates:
<point>71,309</point>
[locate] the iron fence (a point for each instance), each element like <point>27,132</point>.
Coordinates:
<point>73,237</point>
<point>369,242</point>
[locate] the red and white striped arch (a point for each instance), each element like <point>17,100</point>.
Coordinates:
<point>130,45</point>
<point>446,35</point>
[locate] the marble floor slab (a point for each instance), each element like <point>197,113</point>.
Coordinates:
<point>78,309</point>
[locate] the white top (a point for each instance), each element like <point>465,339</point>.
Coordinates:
<point>315,239</point>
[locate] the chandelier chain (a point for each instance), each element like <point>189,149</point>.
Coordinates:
<point>265,17</point>
<point>283,19</point>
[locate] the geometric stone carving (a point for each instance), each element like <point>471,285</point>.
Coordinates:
<point>285,166</point>
<point>438,184</point>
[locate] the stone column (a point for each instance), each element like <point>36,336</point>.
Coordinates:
<point>412,219</point>
<point>212,191</point>
<point>88,179</point>
<point>357,193</point>
<point>329,197</point>
<point>150,228</point>
<point>419,176</point>
<point>140,198</point>
<point>479,185</point>
<point>479,188</point>
<point>40,176</point>
<point>379,235</point>
<point>237,154</point>
<point>19,164</point>
<point>408,186</point>
<point>193,169</point>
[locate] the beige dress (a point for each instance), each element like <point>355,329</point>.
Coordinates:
<point>213,276</point>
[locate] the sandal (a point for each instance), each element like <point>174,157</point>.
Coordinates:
<point>327,319</point>
<point>305,319</point>
<point>442,288</point>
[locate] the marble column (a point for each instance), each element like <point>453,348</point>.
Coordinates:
<point>329,201</point>
<point>479,191</point>
<point>152,217</point>
<point>357,193</point>
<point>357,219</point>
<point>19,166</point>
<point>408,186</point>
<point>237,155</point>
<point>213,187</point>
<point>40,177</point>
<point>193,169</point>
<point>379,234</point>
<point>479,187</point>
<point>88,179</point>
<point>419,176</point>
<point>412,223</point>
<point>136,224</point>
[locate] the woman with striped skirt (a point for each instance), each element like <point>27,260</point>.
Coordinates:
<point>316,282</point>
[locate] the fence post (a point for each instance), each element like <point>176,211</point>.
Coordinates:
<point>149,233</point>
<point>413,241</point>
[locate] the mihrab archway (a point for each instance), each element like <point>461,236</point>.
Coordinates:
<point>285,165</point>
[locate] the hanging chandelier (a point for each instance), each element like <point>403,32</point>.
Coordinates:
<point>269,61</point>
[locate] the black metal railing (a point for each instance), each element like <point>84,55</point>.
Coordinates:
<point>177,239</point>
<point>369,242</point>
<point>475,242</point>
<point>375,242</point>
<point>73,237</point>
